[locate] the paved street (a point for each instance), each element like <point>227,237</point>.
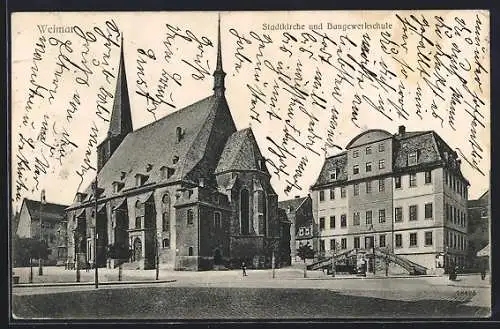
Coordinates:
<point>228,295</point>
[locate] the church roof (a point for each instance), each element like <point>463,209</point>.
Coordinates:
<point>155,146</point>
<point>241,153</point>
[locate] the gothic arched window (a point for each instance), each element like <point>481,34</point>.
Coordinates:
<point>244,211</point>
<point>262,211</point>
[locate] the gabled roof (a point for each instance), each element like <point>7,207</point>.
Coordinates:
<point>241,153</point>
<point>50,211</point>
<point>156,145</point>
<point>336,162</point>
<point>292,204</point>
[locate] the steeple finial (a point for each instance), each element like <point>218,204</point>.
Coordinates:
<point>219,73</point>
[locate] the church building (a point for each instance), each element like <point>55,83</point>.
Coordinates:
<point>188,188</point>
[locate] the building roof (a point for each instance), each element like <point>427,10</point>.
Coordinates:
<point>432,150</point>
<point>241,153</point>
<point>336,162</point>
<point>292,204</point>
<point>481,202</point>
<point>50,211</point>
<point>156,146</point>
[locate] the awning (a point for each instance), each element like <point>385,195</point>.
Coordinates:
<point>485,252</point>
<point>119,203</point>
<point>143,198</point>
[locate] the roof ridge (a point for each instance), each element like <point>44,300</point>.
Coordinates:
<point>170,114</point>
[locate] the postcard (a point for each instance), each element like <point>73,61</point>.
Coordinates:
<point>289,165</point>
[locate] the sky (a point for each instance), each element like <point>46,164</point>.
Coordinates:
<point>183,66</point>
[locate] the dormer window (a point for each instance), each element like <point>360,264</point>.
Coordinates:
<point>140,179</point>
<point>175,159</point>
<point>117,186</point>
<point>122,175</point>
<point>80,196</point>
<point>412,158</point>
<point>167,172</point>
<point>189,193</point>
<point>149,166</point>
<point>333,174</point>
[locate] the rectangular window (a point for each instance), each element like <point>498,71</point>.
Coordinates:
<point>398,214</point>
<point>321,195</point>
<point>138,221</point>
<point>428,238</point>
<point>322,245</point>
<point>332,221</point>
<point>428,210</point>
<point>369,217</point>
<point>355,170</point>
<point>343,221</point>
<point>307,231</point>
<point>332,193</point>
<point>333,175</point>
<point>381,240</point>
<point>369,187</point>
<point>343,243</point>
<point>356,189</point>
<point>413,180</point>
<point>356,242</point>
<point>322,223</point>
<point>355,220</point>
<point>381,185</point>
<point>190,216</point>
<point>332,244</point>
<point>301,231</point>
<point>217,219</point>
<point>428,177</point>
<point>413,239</point>
<point>412,158</point>
<point>342,191</point>
<point>446,177</point>
<point>381,147</point>
<point>381,164</point>
<point>368,150</point>
<point>368,166</point>
<point>397,181</point>
<point>399,240</point>
<point>413,213</point>
<point>355,153</point>
<point>381,216</point>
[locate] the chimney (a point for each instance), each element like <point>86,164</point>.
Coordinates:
<point>459,162</point>
<point>401,130</point>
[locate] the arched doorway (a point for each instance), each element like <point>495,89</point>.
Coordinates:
<point>137,249</point>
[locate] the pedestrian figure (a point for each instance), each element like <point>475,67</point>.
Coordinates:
<point>244,268</point>
<point>483,272</point>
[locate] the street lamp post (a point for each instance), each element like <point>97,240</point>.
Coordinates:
<point>374,257</point>
<point>42,202</point>
<point>158,236</point>
<point>76,243</point>
<point>96,235</point>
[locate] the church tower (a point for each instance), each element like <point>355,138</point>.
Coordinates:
<point>219,73</point>
<point>121,119</point>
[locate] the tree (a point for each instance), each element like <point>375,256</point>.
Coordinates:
<point>118,251</point>
<point>305,252</point>
<point>25,249</point>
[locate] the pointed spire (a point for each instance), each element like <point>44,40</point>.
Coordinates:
<point>219,73</point>
<point>121,118</point>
